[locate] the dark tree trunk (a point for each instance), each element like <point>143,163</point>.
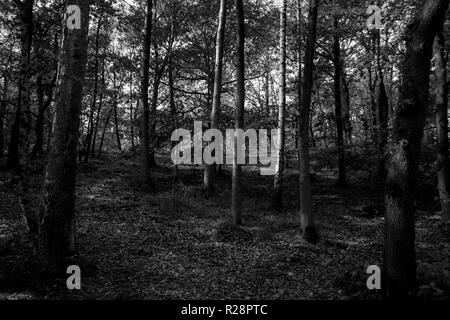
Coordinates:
<point>99,109</point>
<point>2,113</point>
<point>278,180</point>
<point>145,139</point>
<point>338,105</point>
<point>210,171</point>
<point>441,92</point>
<point>56,239</point>
<point>239,112</point>
<point>399,258</point>
<point>306,218</point>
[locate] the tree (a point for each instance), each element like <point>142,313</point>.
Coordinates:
<point>23,114</point>
<point>57,211</point>
<point>399,258</point>
<point>441,92</point>
<point>239,112</point>
<point>338,103</point>
<point>278,181</point>
<point>210,171</point>
<point>145,138</point>
<point>306,220</point>
<point>2,112</point>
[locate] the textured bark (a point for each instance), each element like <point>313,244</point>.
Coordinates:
<point>278,180</point>
<point>2,113</point>
<point>145,138</point>
<point>306,218</point>
<point>99,109</point>
<point>210,171</point>
<point>56,239</point>
<point>441,92</point>
<point>338,105</point>
<point>382,111</point>
<point>399,272</point>
<point>299,79</point>
<point>239,112</point>
<point>23,116</point>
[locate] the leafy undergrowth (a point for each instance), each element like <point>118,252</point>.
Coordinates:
<point>171,242</point>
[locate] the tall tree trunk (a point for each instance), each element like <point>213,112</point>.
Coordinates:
<point>299,80</point>
<point>441,92</point>
<point>116,121</point>
<point>382,107</point>
<point>23,113</point>
<point>399,257</point>
<point>306,219</point>
<point>239,112</point>
<point>99,109</point>
<point>56,240</point>
<point>2,113</point>
<point>145,139</point>
<point>131,108</point>
<point>278,180</point>
<point>338,105</point>
<point>210,171</point>
<point>94,94</point>
<point>345,98</point>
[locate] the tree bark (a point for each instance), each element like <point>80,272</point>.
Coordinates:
<point>2,113</point>
<point>278,180</point>
<point>338,105</point>
<point>306,219</point>
<point>210,171</point>
<point>399,272</point>
<point>441,92</point>
<point>145,139</point>
<point>56,239</point>
<point>99,109</point>
<point>239,112</point>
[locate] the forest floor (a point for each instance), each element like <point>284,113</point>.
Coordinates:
<point>171,242</point>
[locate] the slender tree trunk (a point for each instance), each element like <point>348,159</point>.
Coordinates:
<point>338,105</point>
<point>2,113</point>
<point>382,107</point>
<point>94,95</point>
<point>239,112</point>
<point>441,92</point>
<point>56,240</point>
<point>299,80</point>
<point>278,180</point>
<point>306,219</point>
<point>399,258</point>
<point>99,109</point>
<point>116,122</point>
<point>145,139</point>
<point>23,113</point>
<point>210,171</point>
<point>131,108</point>
<point>345,98</point>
